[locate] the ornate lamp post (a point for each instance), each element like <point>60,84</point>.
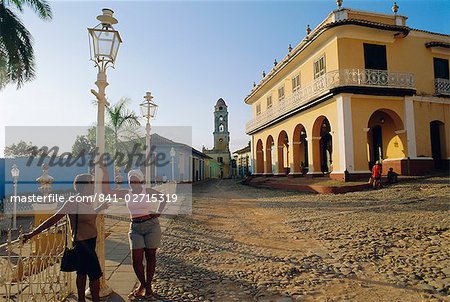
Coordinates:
<point>104,45</point>
<point>15,172</point>
<point>156,166</point>
<point>148,109</point>
<point>172,156</point>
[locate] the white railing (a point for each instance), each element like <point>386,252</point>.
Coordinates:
<point>376,78</point>
<point>442,86</point>
<point>330,80</point>
<point>31,271</point>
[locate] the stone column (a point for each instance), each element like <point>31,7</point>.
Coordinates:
<point>253,156</point>
<point>345,134</point>
<point>410,127</point>
<point>268,163</point>
<point>294,147</point>
<point>279,164</point>
<point>314,157</point>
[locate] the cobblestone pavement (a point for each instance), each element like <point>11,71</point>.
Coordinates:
<point>249,244</point>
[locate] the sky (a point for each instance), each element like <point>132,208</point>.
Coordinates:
<point>187,53</point>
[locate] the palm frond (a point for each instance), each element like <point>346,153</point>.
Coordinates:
<point>18,4</point>
<point>16,50</point>
<point>40,7</point>
<point>119,115</point>
<point>129,119</point>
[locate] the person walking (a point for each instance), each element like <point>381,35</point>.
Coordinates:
<point>82,217</point>
<point>376,175</point>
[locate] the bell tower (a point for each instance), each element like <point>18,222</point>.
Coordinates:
<point>221,151</point>
<point>221,134</point>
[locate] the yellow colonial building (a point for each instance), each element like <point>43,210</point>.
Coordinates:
<point>360,87</point>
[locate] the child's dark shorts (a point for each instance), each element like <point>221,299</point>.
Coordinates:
<point>87,260</point>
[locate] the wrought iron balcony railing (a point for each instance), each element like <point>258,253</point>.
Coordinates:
<point>442,86</point>
<point>330,80</point>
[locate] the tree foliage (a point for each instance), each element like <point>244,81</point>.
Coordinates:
<point>17,64</point>
<point>21,149</point>
<point>86,142</point>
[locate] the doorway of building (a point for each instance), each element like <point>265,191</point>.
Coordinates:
<point>269,155</point>
<point>259,157</point>
<point>383,138</point>
<point>326,147</point>
<point>283,153</point>
<point>300,147</point>
<point>437,143</point>
<point>377,144</point>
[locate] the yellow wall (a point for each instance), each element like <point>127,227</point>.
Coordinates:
<point>403,55</point>
<point>362,110</point>
<point>343,48</point>
<point>307,119</point>
<point>212,168</point>
<point>366,112</point>
<point>424,113</point>
<point>302,64</point>
<point>346,52</point>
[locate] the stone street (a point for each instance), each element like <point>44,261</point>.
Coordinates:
<point>248,244</point>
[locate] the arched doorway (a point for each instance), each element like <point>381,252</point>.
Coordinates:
<point>259,157</point>
<point>384,136</point>
<point>269,155</point>
<point>438,145</point>
<point>283,153</point>
<point>322,145</point>
<point>300,146</point>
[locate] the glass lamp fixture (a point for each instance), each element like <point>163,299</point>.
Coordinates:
<point>148,107</point>
<point>172,152</point>
<point>15,172</point>
<point>104,39</point>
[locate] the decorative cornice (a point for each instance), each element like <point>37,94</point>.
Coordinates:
<point>437,44</point>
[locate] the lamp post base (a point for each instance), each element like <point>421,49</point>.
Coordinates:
<point>105,291</point>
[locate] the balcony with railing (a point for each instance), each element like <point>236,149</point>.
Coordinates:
<point>442,86</point>
<point>331,80</point>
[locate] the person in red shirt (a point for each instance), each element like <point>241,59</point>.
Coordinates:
<point>376,170</point>
<point>376,174</point>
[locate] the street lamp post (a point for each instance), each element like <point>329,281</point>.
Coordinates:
<point>15,172</point>
<point>148,109</point>
<point>104,45</point>
<point>155,162</point>
<point>172,156</point>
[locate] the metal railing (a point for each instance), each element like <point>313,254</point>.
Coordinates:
<point>442,86</point>
<point>31,271</point>
<point>333,79</point>
<point>5,223</point>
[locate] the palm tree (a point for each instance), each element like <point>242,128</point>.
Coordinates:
<point>121,120</point>
<point>16,50</point>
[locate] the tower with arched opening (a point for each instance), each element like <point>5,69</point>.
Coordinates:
<point>221,150</point>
